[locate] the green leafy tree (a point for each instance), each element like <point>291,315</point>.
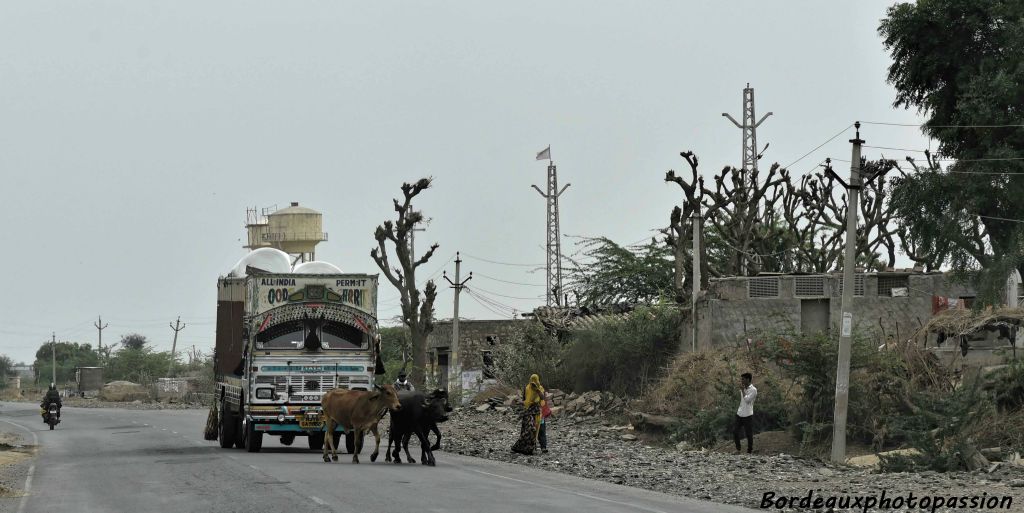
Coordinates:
<point>133,341</point>
<point>610,273</point>
<point>396,350</point>
<point>68,356</point>
<point>961,63</point>
<point>137,365</point>
<point>6,366</point>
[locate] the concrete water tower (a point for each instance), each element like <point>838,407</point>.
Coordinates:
<point>295,230</point>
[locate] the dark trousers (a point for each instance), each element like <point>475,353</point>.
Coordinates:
<point>747,424</point>
<point>542,436</point>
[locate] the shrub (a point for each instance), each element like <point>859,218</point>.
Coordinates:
<point>529,350</point>
<point>702,391</point>
<point>944,431</point>
<point>623,356</point>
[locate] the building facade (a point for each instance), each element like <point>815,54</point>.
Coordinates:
<point>478,341</point>
<point>895,304</point>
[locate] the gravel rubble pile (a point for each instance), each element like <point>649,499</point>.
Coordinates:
<point>596,448</point>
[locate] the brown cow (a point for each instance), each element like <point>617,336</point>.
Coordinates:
<point>356,411</point>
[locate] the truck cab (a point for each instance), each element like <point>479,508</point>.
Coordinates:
<point>283,340</point>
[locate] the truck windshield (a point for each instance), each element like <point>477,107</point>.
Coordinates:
<point>292,335</point>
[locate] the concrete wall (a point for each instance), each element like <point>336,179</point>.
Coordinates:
<point>729,314</point>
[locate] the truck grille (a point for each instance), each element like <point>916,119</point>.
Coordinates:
<point>305,384</point>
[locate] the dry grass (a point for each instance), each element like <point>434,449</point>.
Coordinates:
<point>691,381</point>
<point>965,322</point>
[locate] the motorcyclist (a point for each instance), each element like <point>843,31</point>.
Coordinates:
<point>402,383</point>
<point>52,396</point>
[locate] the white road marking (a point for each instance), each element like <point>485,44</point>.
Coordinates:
<point>254,467</point>
<point>318,500</point>
<point>31,468</point>
<point>634,506</point>
<point>175,432</point>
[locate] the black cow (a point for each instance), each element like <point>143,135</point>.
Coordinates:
<point>431,426</point>
<point>420,413</point>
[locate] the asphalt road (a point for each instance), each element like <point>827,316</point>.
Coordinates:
<point>113,460</point>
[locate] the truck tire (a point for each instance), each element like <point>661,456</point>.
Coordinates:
<point>287,439</point>
<point>226,433</point>
<point>350,441</point>
<point>239,433</point>
<point>316,441</point>
<point>253,438</point>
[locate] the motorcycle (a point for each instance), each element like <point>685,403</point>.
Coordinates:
<point>52,416</point>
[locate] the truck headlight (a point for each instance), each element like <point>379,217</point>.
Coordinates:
<point>280,418</point>
<point>264,393</point>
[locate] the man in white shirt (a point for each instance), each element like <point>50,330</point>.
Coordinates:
<point>745,413</point>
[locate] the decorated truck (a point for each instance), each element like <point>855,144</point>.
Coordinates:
<point>283,340</point>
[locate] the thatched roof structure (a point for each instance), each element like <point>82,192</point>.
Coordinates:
<point>966,322</point>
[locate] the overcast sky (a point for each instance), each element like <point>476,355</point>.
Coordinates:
<point>133,135</point>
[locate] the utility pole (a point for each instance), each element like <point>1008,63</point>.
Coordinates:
<point>749,128</point>
<point>177,326</point>
<point>453,351</point>
<point>100,327</point>
<point>696,277</point>
<point>849,267</point>
<point>554,249</point>
<point>53,353</point>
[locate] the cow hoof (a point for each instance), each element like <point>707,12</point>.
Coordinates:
<point>326,459</point>
<point>398,462</point>
<point>435,447</point>
<point>334,457</point>
<point>425,462</point>
<point>373,457</point>
<point>412,460</point>
<point>432,464</point>
<point>355,460</point>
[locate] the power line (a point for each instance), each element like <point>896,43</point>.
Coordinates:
<point>495,312</point>
<point>510,282</point>
<point>816,148</point>
<point>941,126</point>
<point>503,263</point>
<point>494,302</point>
<point>510,297</point>
<point>1002,219</point>
<point>894,149</point>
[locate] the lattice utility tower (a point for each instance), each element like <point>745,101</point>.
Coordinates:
<point>749,128</point>
<point>554,260</point>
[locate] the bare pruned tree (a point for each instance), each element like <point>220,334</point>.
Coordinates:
<point>779,226</point>
<point>417,314</point>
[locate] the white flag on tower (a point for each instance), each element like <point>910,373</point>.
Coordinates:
<point>546,154</point>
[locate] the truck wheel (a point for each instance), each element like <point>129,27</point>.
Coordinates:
<point>253,438</point>
<point>316,441</point>
<point>226,433</point>
<point>350,442</point>
<point>287,439</point>
<point>239,433</point>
